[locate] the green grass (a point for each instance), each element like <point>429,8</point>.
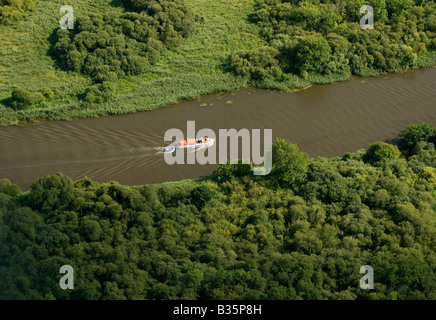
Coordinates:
<point>194,68</point>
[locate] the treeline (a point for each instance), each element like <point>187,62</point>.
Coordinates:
<point>302,232</point>
<point>13,10</point>
<point>313,39</point>
<point>108,47</point>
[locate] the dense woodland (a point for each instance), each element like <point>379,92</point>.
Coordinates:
<point>302,232</point>
<point>323,38</point>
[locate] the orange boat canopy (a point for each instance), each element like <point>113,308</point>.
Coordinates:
<point>193,141</point>
<point>189,141</point>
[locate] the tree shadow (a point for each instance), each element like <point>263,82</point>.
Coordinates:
<point>51,52</point>
<point>226,65</point>
<point>7,102</point>
<point>393,141</point>
<point>116,3</point>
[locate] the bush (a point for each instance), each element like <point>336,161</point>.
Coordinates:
<point>98,94</point>
<point>23,99</point>
<point>174,14</point>
<point>116,45</point>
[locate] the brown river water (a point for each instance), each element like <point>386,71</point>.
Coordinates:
<point>326,120</point>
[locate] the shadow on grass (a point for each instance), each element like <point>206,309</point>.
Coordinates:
<point>52,39</point>
<point>226,65</point>
<point>7,102</point>
<point>116,3</point>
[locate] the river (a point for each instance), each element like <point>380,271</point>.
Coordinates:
<point>324,120</point>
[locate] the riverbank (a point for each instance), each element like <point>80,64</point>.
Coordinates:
<point>194,69</point>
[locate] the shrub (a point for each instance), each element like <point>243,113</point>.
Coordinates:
<point>173,13</point>
<point>23,99</point>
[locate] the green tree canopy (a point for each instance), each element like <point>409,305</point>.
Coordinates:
<point>289,165</point>
<point>380,151</point>
<point>413,134</point>
<point>52,192</point>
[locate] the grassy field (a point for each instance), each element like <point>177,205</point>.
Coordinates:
<point>193,69</point>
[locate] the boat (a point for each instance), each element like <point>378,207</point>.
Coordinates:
<point>169,149</point>
<point>200,143</point>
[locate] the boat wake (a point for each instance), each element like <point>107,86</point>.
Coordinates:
<point>144,149</point>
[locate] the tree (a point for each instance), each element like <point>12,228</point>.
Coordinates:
<point>380,151</point>
<point>52,192</point>
<point>380,12</point>
<point>115,45</point>
<point>202,194</point>
<point>312,53</point>
<point>224,172</point>
<point>413,134</point>
<point>8,188</point>
<point>257,64</point>
<point>289,165</point>
<point>91,230</point>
